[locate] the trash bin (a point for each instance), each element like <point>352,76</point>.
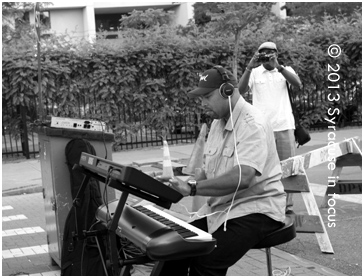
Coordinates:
<point>56,178</point>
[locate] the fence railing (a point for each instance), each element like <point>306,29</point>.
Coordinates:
<point>19,138</point>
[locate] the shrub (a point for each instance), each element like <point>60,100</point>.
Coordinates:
<point>150,72</point>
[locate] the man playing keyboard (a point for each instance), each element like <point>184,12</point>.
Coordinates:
<point>242,179</point>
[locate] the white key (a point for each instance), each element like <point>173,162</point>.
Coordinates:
<point>201,235</point>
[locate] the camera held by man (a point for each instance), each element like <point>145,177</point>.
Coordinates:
<point>264,58</point>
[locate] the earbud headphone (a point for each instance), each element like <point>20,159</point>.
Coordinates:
<point>226,89</point>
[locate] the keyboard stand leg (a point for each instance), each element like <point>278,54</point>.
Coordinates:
<point>157,268</point>
<point>125,270</point>
<point>112,236</point>
<point>102,257</point>
<point>81,191</point>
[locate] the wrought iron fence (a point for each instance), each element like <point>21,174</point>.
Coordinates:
<point>19,138</point>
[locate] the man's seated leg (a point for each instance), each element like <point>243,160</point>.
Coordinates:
<point>241,235</point>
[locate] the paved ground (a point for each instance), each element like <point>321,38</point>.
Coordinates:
<point>24,242</point>
<point>25,250</point>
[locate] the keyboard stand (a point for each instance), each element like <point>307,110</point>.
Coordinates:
<point>125,264</point>
<point>85,234</point>
<point>128,263</point>
<point>122,266</point>
<point>111,226</point>
<point>157,268</point>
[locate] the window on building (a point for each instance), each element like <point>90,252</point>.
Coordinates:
<point>107,22</point>
<point>45,19</point>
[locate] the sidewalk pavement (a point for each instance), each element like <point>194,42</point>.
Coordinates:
<point>30,251</point>
<point>25,247</point>
<point>24,176</point>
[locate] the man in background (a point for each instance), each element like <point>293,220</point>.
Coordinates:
<point>267,80</point>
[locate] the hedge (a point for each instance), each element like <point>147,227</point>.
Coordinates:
<point>152,72</point>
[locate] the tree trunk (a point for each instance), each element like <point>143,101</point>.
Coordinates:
<point>236,52</point>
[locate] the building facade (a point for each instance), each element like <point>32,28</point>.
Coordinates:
<point>85,19</point>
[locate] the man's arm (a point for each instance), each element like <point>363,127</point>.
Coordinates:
<point>219,186</point>
<point>244,80</point>
<point>291,77</point>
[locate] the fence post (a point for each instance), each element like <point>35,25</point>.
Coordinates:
<point>24,131</point>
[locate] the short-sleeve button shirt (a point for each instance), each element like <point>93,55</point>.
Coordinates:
<point>255,148</point>
<point>270,96</point>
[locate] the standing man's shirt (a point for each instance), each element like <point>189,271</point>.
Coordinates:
<point>255,148</point>
<point>270,96</point>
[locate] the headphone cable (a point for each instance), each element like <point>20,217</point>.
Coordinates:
<point>237,159</point>
<point>238,185</point>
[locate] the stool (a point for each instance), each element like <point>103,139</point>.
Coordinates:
<point>283,235</point>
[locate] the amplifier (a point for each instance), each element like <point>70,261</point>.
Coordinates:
<point>81,124</point>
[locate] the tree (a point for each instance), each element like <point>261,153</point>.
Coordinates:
<point>200,12</point>
<point>234,17</point>
<point>14,9</point>
<point>146,19</point>
<point>16,29</point>
<point>14,25</point>
<point>318,9</point>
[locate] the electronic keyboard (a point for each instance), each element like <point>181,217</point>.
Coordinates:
<point>160,235</point>
<point>129,179</point>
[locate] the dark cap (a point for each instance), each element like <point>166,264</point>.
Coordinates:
<point>211,80</point>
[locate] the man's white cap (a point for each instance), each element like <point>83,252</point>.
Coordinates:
<point>268,45</point>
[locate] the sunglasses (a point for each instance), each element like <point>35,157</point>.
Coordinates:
<point>267,51</point>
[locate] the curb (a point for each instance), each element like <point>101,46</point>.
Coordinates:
<point>323,270</point>
<point>23,190</point>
